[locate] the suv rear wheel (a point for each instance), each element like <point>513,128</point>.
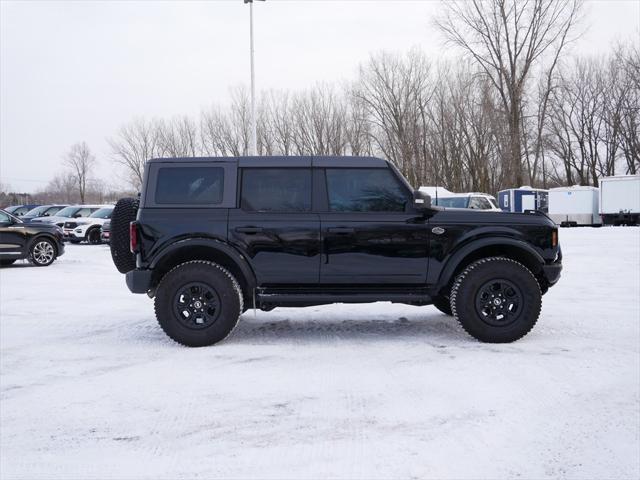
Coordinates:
<point>198,303</point>
<point>496,300</point>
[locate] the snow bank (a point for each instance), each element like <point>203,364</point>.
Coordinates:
<point>91,388</point>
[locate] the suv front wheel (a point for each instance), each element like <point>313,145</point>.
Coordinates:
<point>198,303</point>
<point>496,300</point>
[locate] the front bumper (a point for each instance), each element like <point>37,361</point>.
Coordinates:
<point>60,246</point>
<point>552,272</point>
<point>139,281</point>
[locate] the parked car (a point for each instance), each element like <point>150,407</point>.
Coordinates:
<point>87,229</point>
<point>19,210</point>
<point>211,237</point>
<point>105,232</point>
<point>42,211</point>
<point>40,243</point>
<point>473,201</point>
<point>73,211</point>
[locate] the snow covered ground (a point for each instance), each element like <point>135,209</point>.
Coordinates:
<point>92,388</point>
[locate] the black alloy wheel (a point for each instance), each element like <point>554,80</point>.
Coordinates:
<point>499,302</point>
<point>196,305</point>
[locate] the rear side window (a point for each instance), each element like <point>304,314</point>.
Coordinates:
<point>276,190</point>
<point>189,185</point>
<point>364,190</point>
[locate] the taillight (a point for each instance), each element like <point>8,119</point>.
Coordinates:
<point>133,237</point>
<point>554,238</point>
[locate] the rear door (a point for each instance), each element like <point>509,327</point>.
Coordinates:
<point>274,226</point>
<point>370,232</point>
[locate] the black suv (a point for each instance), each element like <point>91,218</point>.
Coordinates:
<point>40,243</point>
<point>212,237</point>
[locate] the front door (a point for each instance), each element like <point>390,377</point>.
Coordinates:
<point>371,234</point>
<point>275,227</point>
<point>12,237</point>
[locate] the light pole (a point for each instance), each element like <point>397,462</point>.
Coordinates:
<point>253,150</point>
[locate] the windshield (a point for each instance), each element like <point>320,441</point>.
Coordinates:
<point>102,213</point>
<point>453,202</point>
<point>67,212</point>
<point>36,212</point>
<point>12,209</point>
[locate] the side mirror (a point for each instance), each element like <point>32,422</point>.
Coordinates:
<point>421,200</point>
<point>45,214</point>
<point>77,215</point>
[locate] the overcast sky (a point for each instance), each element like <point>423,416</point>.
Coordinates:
<point>73,71</point>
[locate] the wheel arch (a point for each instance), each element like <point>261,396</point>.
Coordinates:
<point>493,247</point>
<point>204,249</point>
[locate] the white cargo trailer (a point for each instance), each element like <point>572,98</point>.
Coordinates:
<point>620,200</point>
<point>574,206</point>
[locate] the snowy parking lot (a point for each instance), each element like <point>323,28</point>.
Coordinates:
<point>92,388</point>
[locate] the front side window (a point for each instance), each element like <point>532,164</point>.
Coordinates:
<point>364,190</point>
<point>189,185</point>
<point>276,190</point>
<point>4,218</point>
<point>479,203</point>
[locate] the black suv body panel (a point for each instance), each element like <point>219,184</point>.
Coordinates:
<point>321,255</point>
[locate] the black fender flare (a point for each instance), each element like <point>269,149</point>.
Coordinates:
<point>217,245</point>
<point>458,256</point>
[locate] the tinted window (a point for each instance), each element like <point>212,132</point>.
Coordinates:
<point>189,185</point>
<point>68,212</point>
<point>4,218</point>
<point>276,189</point>
<point>102,213</point>
<point>364,190</point>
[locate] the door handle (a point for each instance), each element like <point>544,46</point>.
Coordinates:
<point>341,230</point>
<point>249,230</point>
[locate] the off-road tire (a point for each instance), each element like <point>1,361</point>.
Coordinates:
<point>37,255</point>
<point>123,214</point>
<point>6,263</point>
<point>443,304</point>
<point>215,277</point>
<point>470,284</point>
<point>93,236</point>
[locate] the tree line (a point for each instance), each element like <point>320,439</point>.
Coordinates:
<point>513,109</point>
<point>438,122</point>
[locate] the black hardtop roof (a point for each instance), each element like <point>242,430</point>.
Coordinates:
<point>282,161</point>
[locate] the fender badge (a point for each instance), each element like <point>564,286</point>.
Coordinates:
<point>437,230</point>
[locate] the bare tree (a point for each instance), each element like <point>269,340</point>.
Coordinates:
<point>133,145</point>
<point>507,38</point>
<point>81,162</point>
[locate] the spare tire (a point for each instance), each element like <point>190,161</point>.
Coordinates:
<point>123,214</point>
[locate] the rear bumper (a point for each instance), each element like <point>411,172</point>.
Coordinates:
<point>139,281</point>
